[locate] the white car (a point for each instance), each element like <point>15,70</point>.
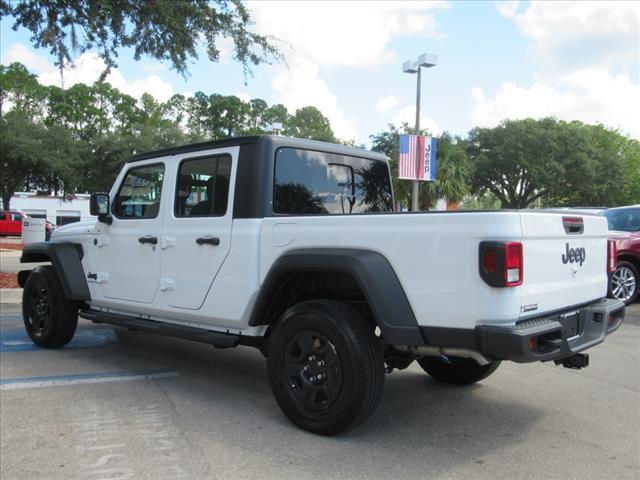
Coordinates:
<point>291,246</point>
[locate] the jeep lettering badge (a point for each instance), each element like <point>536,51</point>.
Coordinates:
<point>574,255</point>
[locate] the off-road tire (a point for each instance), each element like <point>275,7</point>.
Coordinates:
<point>346,360</point>
<point>456,370</point>
<point>49,318</point>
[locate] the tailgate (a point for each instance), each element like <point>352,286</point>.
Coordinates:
<point>565,261</point>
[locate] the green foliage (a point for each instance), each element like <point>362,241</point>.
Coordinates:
<point>485,201</point>
<point>21,155</point>
<point>167,30</point>
<point>21,91</point>
<point>309,122</point>
<point>75,140</point>
<point>553,163</point>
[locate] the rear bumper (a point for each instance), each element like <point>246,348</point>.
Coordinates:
<point>544,338</point>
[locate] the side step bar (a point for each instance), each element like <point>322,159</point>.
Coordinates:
<point>217,339</point>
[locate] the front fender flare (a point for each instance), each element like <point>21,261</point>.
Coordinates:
<point>373,273</point>
<point>66,258</point>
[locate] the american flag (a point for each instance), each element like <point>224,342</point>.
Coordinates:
<point>410,147</point>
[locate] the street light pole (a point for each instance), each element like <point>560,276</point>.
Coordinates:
<point>425,60</point>
<point>414,193</point>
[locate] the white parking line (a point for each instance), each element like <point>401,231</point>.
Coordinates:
<point>67,380</point>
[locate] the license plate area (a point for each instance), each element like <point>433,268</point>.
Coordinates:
<point>571,323</point>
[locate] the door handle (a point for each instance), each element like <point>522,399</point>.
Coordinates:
<point>148,239</point>
<point>208,239</point>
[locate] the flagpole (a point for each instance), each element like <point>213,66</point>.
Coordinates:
<point>414,195</point>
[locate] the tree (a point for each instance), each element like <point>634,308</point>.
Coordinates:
<point>453,169</point>
<point>20,90</point>
<point>551,162</point>
<point>257,117</point>
<point>486,201</point>
<point>21,154</point>
<point>277,114</point>
<point>609,164</point>
<point>631,153</point>
<point>217,116</point>
<point>165,30</point>
<point>309,122</point>
<point>63,162</point>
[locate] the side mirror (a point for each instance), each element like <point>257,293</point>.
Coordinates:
<point>99,205</point>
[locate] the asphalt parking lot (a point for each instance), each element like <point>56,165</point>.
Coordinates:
<point>117,404</point>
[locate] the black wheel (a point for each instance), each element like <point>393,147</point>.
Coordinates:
<point>325,366</point>
<point>624,282</point>
<point>49,318</point>
<point>457,370</point>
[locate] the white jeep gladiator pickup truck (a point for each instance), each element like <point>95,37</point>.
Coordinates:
<point>292,246</point>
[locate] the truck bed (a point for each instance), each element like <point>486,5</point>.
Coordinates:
<point>436,258</point>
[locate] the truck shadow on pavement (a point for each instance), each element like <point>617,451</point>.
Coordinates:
<point>418,419</point>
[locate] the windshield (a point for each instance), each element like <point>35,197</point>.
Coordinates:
<point>624,219</point>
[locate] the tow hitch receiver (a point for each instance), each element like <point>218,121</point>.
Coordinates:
<point>576,361</point>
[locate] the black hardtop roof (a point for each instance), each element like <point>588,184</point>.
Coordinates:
<point>274,140</point>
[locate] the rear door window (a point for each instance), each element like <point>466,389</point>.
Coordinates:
<point>203,187</point>
<point>311,182</point>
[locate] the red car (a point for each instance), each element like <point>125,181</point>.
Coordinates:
<point>624,224</point>
<point>11,225</point>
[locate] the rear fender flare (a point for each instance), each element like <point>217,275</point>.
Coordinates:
<point>373,273</point>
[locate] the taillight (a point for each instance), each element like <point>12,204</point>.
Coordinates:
<point>490,261</point>
<point>502,263</point>
<point>513,264</point>
<point>612,256</point>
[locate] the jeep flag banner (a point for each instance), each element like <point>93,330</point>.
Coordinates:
<point>417,148</point>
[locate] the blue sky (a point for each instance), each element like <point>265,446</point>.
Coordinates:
<point>496,60</point>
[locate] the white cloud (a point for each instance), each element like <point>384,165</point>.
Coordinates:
<point>387,103</point>
<point>301,85</point>
<point>244,97</point>
<point>408,115</point>
<point>573,35</point>
<point>508,8</point>
<point>344,33</point>
<point>87,69</point>
<point>590,95</point>
<point>17,52</point>
<point>226,48</point>
<point>315,34</point>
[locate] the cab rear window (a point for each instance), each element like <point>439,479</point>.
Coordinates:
<point>312,182</point>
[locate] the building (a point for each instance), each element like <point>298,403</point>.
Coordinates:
<point>57,210</point>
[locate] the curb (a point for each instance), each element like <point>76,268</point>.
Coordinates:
<point>10,295</point>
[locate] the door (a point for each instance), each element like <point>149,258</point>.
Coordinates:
<point>197,233</point>
<point>126,254</point>
<point>15,223</point>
